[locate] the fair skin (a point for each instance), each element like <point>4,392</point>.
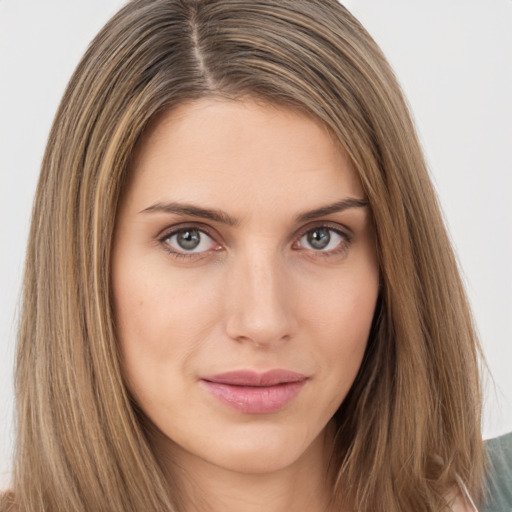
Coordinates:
<point>243,244</point>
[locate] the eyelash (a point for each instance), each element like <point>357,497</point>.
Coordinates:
<point>340,249</point>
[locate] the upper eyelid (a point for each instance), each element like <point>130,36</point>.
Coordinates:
<point>334,226</point>
<point>169,231</point>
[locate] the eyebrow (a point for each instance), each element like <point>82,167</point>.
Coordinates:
<point>339,206</point>
<point>224,218</point>
<point>193,211</point>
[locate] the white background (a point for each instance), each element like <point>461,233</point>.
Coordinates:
<point>454,60</point>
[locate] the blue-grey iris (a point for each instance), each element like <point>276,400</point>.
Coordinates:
<point>319,238</point>
<point>188,239</point>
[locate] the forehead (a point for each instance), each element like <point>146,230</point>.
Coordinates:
<point>219,150</point>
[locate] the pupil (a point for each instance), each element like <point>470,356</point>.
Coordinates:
<point>319,238</point>
<point>188,239</point>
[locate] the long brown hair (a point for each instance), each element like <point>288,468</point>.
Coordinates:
<point>410,425</point>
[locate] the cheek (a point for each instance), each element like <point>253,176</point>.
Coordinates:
<point>345,304</point>
<point>161,321</point>
<point>341,315</point>
<point>154,301</point>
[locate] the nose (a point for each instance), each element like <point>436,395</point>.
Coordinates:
<point>259,301</point>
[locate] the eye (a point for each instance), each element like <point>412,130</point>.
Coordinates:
<point>188,240</point>
<point>323,239</point>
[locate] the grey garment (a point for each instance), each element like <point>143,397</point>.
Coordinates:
<point>498,489</point>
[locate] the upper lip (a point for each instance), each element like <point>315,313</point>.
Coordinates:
<point>254,378</point>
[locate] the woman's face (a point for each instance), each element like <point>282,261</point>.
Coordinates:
<point>245,280</point>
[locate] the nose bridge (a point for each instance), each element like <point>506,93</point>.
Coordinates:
<point>259,307</point>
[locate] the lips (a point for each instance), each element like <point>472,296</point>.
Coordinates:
<point>255,393</point>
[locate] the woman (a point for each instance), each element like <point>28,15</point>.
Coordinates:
<point>239,291</point>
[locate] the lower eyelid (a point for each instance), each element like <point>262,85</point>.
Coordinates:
<point>190,255</point>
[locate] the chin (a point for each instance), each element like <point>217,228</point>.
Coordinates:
<point>258,450</point>
<point>256,461</point>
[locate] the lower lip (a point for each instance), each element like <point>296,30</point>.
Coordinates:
<point>255,399</point>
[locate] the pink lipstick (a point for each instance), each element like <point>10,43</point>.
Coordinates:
<point>256,393</point>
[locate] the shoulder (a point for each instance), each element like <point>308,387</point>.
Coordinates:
<point>498,486</point>
<point>460,504</point>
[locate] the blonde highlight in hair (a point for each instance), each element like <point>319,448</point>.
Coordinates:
<point>410,425</point>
